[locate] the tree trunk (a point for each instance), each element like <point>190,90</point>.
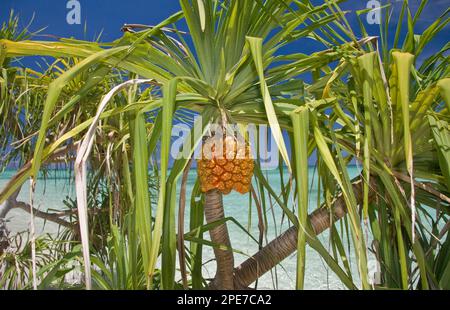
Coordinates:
<point>286,244</point>
<point>4,243</point>
<point>5,207</point>
<point>12,203</point>
<point>219,235</point>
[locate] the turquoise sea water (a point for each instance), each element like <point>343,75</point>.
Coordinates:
<point>51,192</point>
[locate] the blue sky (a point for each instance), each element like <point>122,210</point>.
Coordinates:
<point>108,16</point>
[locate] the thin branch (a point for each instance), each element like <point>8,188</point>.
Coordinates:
<point>422,186</point>
<point>131,27</point>
<point>444,230</point>
<point>52,217</point>
<point>6,206</point>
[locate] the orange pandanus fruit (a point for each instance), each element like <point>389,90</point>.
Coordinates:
<point>225,165</point>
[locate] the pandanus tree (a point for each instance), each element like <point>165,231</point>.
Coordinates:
<point>365,105</point>
<point>225,75</point>
<point>22,96</point>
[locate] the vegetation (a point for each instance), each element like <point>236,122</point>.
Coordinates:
<point>113,105</point>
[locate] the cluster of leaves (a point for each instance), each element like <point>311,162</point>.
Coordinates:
<point>363,105</point>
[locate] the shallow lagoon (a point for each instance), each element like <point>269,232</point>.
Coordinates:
<point>51,192</point>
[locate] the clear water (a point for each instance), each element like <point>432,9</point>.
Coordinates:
<point>51,192</point>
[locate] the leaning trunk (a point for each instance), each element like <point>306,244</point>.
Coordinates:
<point>5,207</point>
<point>286,244</point>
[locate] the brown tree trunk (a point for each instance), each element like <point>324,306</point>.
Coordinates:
<point>219,235</point>
<point>5,207</point>
<point>4,243</point>
<point>12,203</point>
<point>286,244</point>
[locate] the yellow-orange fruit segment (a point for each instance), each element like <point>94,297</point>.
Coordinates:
<point>228,169</point>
